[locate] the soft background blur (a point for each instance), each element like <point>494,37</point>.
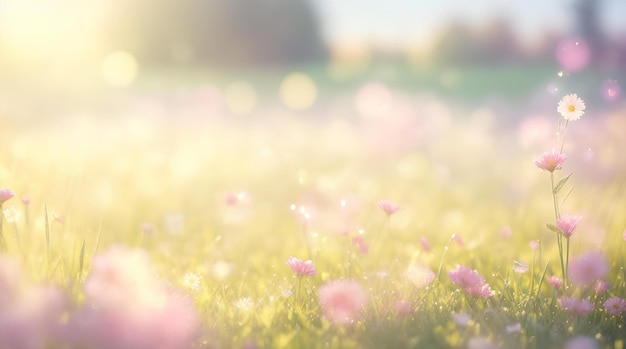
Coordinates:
<point>61,57</point>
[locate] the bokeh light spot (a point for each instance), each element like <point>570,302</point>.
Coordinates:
<point>552,88</point>
<point>298,91</point>
<point>119,68</point>
<point>573,54</point>
<point>611,90</point>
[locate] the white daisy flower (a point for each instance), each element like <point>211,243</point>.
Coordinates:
<point>571,107</point>
<point>192,281</point>
<point>244,304</point>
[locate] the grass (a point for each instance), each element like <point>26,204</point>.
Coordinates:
<point>459,176</point>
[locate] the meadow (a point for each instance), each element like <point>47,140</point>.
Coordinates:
<point>172,221</point>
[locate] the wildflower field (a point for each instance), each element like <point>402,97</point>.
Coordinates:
<point>378,218</point>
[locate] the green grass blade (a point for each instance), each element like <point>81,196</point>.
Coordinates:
<point>553,227</point>
<point>47,227</point>
<point>561,183</point>
<point>95,251</point>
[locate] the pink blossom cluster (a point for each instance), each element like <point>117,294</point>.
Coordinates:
<point>575,306</point>
<point>389,207</point>
<point>31,316</point>
<point>127,307</point>
<point>615,305</point>
<point>342,301</point>
<point>567,224</point>
<point>6,195</point>
<point>469,280</point>
<point>301,267</point>
<point>361,244</point>
<point>588,268</point>
<point>550,161</point>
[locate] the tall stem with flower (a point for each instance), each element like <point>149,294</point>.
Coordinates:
<point>300,268</point>
<point>389,208</point>
<point>571,108</point>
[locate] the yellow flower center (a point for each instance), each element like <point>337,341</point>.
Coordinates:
<point>571,108</point>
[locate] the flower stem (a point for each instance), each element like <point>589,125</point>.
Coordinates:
<point>566,261</point>
<point>532,275</point>
<point>443,256</point>
<point>559,237</point>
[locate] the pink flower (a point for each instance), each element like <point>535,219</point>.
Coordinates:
<point>624,235</point>
<point>568,224</point>
<point>575,306</point>
<point>301,268</point>
<point>534,244</point>
<point>483,291</point>
<point>615,305</point>
<point>31,315</point>
<point>388,207</point>
<point>26,200</point>
<point>470,282</point>
<point>555,282</point>
<point>403,308</point>
<point>419,275</point>
<point>361,244</point>
<point>33,318</point>
<point>342,301</point>
<point>5,195</point>
<point>550,161</point>
<point>425,244</point>
<point>126,306</point>
<point>465,277</point>
<point>588,268</point>
<point>520,267</point>
<point>602,286</point>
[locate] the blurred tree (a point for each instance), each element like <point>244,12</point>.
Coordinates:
<point>221,32</point>
<point>589,27</point>
<point>455,45</point>
<point>589,24</point>
<point>494,44</point>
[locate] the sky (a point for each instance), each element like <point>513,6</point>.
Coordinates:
<point>401,22</point>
